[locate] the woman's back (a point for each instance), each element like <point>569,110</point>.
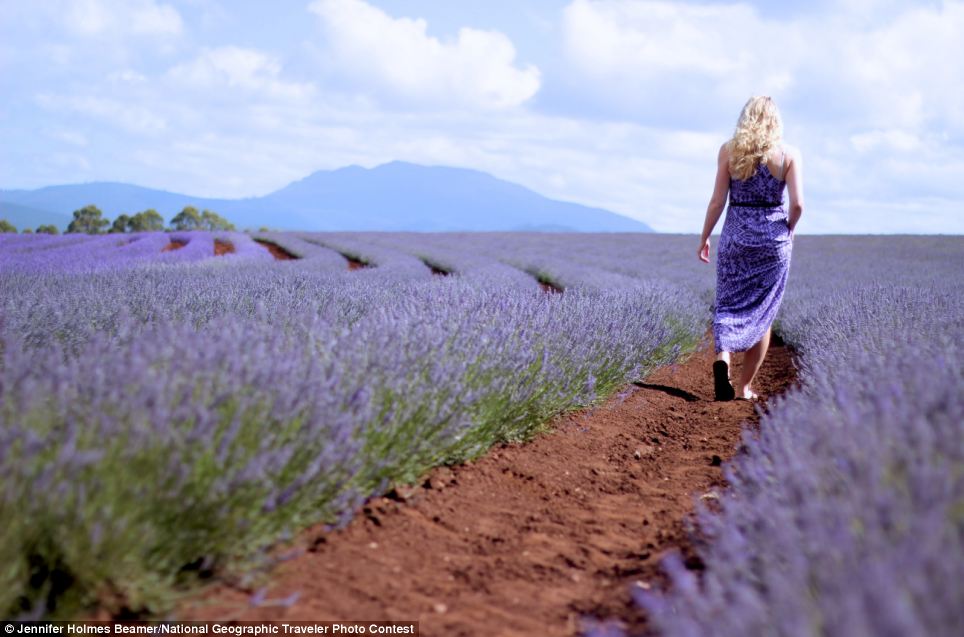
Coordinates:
<point>777,161</point>
<point>764,186</point>
<point>756,213</point>
<point>754,168</point>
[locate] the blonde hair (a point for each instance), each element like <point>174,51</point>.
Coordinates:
<point>758,130</point>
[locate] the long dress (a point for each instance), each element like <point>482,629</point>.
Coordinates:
<point>753,261</point>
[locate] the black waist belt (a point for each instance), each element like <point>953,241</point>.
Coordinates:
<point>757,204</point>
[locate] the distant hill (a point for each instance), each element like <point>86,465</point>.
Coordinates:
<point>391,197</point>
<point>28,217</point>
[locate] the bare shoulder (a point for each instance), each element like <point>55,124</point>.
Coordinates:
<point>724,153</point>
<point>793,153</point>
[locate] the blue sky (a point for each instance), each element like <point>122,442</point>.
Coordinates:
<point>614,103</point>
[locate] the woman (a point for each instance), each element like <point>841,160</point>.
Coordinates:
<point>754,167</point>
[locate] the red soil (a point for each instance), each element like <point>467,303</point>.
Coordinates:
<point>279,253</point>
<point>437,271</point>
<point>222,248</point>
<point>175,244</point>
<point>549,288</point>
<point>532,537</point>
<point>355,264</point>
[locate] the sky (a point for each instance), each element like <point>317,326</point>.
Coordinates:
<point>620,104</point>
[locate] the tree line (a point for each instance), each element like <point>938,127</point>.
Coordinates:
<point>90,220</point>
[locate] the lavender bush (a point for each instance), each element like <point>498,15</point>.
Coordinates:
<point>160,418</point>
<point>157,447</point>
<point>164,414</point>
<point>846,514</point>
<point>75,253</point>
<point>321,257</point>
<point>597,261</point>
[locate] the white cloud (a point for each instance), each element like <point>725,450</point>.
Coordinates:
<point>95,18</point>
<point>887,140</point>
<point>127,76</point>
<point>907,68</point>
<point>71,161</point>
<point>871,95</point>
<point>860,216</point>
<point>876,64</point>
<point>870,91</point>
<point>74,138</point>
<point>395,59</point>
<point>246,69</point>
<point>649,38</point>
<point>86,17</point>
<point>638,50</point>
<point>130,116</point>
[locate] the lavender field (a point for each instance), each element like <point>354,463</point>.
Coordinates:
<point>166,413</point>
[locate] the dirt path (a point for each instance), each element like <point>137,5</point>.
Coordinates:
<point>222,247</point>
<point>174,244</point>
<point>530,538</point>
<point>355,264</point>
<point>549,288</point>
<point>279,253</point>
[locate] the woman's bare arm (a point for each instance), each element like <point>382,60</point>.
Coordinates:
<point>795,188</point>
<point>717,202</point>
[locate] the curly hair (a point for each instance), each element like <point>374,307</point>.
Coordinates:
<point>758,130</point>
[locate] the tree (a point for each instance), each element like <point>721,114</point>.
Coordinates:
<point>47,229</point>
<point>147,221</point>
<point>187,219</point>
<point>6,226</point>
<point>121,223</point>
<point>211,220</point>
<point>26,231</point>
<point>88,219</point>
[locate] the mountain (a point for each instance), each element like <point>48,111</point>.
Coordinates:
<point>27,217</point>
<point>391,197</point>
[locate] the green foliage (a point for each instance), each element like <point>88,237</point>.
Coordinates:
<point>147,221</point>
<point>191,219</point>
<point>6,226</point>
<point>140,556</point>
<point>120,223</point>
<point>187,219</point>
<point>47,229</point>
<point>26,231</point>
<point>89,220</point>
<point>211,220</point>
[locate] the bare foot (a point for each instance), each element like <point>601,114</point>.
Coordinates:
<point>748,394</point>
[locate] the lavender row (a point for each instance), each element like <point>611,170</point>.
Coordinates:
<point>430,369</point>
<point>320,257</point>
<point>457,254</point>
<point>86,253</point>
<point>844,515</point>
<point>382,263</point>
<point>160,417</point>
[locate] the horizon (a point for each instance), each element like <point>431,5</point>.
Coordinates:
<point>313,172</point>
<point>394,196</point>
<point>716,232</point>
<point>194,97</point>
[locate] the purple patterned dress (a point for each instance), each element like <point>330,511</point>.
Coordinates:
<point>753,261</point>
